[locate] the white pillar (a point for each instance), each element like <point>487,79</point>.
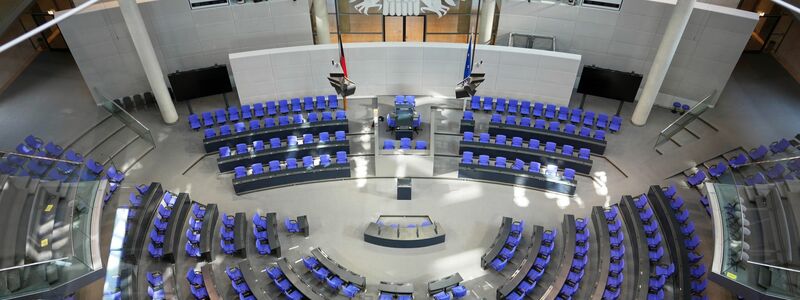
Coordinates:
<point>321,21</point>
<point>486,21</point>
<point>666,51</point>
<point>147,55</point>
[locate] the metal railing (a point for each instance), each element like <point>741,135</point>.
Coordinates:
<point>684,120</point>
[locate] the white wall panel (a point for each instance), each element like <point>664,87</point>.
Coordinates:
<point>405,68</point>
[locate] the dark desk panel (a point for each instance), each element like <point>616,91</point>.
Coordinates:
<point>137,232</point>
<point>558,137</point>
<point>568,233</point>
<point>499,242</point>
<point>213,144</point>
<point>404,237</point>
<point>287,177</point>
<point>638,240</point>
<point>272,234</point>
<point>172,237</point>
<point>298,283</point>
<point>673,237</point>
<point>208,280</point>
<point>339,270</point>
<point>603,244</point>
<point>519,275</point>
<point>240,234</point>
<point>444,284</point>
<point>467,125</point>
<point>227,164</point>
<point>396,288</point>
<point>580,165</point>
<point>256,282</point>
<point>515,177</point>
<point>207,232</point>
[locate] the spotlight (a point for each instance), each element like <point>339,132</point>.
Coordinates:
<point>343,85</point>
<point>467,87</point>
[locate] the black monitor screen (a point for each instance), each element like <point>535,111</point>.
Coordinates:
<point>609,83</point>
<point>200,82</point>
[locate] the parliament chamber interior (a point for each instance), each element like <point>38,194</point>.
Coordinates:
<point>388,149</point>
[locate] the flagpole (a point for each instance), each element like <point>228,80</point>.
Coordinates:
<point>341,51</point>
<point>475,34</point>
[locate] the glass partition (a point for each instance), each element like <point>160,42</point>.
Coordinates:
<point>685,119</point>
<point>126,118</point>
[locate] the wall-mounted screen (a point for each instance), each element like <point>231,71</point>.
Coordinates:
<point>200,82</point>
<point>609,83</point>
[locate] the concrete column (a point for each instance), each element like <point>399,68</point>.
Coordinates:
<point>486,21</point>
<point>147,55</point>
<point>666,51</point>
<point>321,21</point>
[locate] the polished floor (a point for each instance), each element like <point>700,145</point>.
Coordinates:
<point>760,104</point>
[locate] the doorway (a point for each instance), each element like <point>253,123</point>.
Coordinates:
<point>404,28</point>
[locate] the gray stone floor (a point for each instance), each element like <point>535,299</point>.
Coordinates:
<point>761,103</point>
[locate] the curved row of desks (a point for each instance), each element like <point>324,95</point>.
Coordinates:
<point>673,237</point>
<point>339,270</point>
<point>137,232</point>
<point>404,237</point>
<point>207,232</point>
<point>264,134</point>
<point>603,242</point>
<point>568,233</point>
<point>301,285</point>
<point>638,239</point>
<point>498,243</point>
<point>284,177</point>
<point>595,146</point>
<point>174,232</point>
<point>527,263</point>
<point>580,165</point>
<point>227,164</point>
<point>516,177</point>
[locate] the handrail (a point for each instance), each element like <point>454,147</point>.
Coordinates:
<point>44,26</point>
<point>6,154</point>
<point>770,161</point>
<point>684,120</point>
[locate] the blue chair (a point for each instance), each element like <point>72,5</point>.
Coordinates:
<point>692,243</point>
<point>646,215</point>
<point>550,111</point>
<point>350,290</point>
<point>640,201</point>
<point>550,147</point>
<point>341,157</point>
<point>535,167</point>
<point>333,102</point>
<point>291,225</point>
<point>291,163</point>
<point>283,106</point>
<point>257,168</point>
<point>569,174</point>
<point>697,271</point>
<point>312,117</point>
<point>258,110</point>
<point>654,241</point>
<point>468,115</point>
<point>271,109</point>
<point>405,143</point>
<point>758,153</point>
<point>483,160</point>
<point>611,213</point>
<point>340,135</point>
<point>554,126</point>
<point>516,141</point>
<point>234,274</point>
<point>569,129</point>
<point>500,105</point>
<point>459,291</point>
<point>537,109</point>
<point>154,278</point>
<point>518,165</point>
<point>602,121</point>
<point>488,103</point>
<point>657,282</point>
<point>199,211</point>
<point>258,146</point>
<point>618,252</point>
<point>475,103</point>
<point>500,162</point>
<point>239,127</point>
<point>320,102</point>
<point>677,203</point>
<point>664,270</point>
<point>513,106</point>
<point>325,160</point>
<point>500,139</point>
<point>208,120</point>
<point>194,122</point>
<point>296,105</point>
<point>563,113</point>
<point>275,143</point>
<point>682,216</point>
<point>466,157</point>
<point>233,113</point>
<point>576,115</point>
<point>308,138</point>
<point>220,115</point>
<point>651,228</point>
<point>469,136</point>
<point>421,145</point>
<point>241,149</point>
<point>656,255</point>
<point>539,123</point>
<point>226,233</point>
<point>341,115</point>
<point>269,122</point>
<point>496,118</point>
<point>225,130</point>
<point>567,150</point>
<point>334,282</point>
<point>697,178</point>
<point>321,273</point>
<point>550,235</point>
<point>443,295</point>
<point>297,119</point>
<point>192,249</point>
<point>779,146</point>
<point>533,144</point>
<point>525,107</point>
<point>483,137</point>
<point>694,257</point>
<point>698,286</point>
<point>283,120</point>
<point>135,200</point>
<point>617,266</point>
<point>239,172</point>
<point>308,162</point>
<point>511,120</point>
<point>525,122</point>
<point>155,252</point>
<point>156,237</point>
<point>247,112</point>
<point>160,224</point>
<point>263,247</point>
<point>616,122</point>
<point>255,124</point>
<point>585,132</point>
<point>584,153</point>
<point>600,135</point>
<point>291,141</point>
<point>588,118</point>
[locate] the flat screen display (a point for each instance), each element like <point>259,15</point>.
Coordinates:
<point>609,83</point>
<point>200,82</point>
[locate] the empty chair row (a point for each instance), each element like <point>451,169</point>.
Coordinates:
<point>292,140</point>
<point>239,284</point>
<point>534,144</point>
<point>332,280</point>
<point>196,283</point>
<point>265,233</point>
<point>555,126</point>
<point>241,127</point>
<point>505,244</point>
<point>233,233</point>
<point>519,165</point>
<point>246,112</point>
<point>539,266</point>
<point>405,144</point>
<point>291,163</point>
<point>405,100</point>
<point>617,253</point>
<point>579,260</point>
<point>155,285</point>
<point>691,240</point>
<point>546,111</point>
